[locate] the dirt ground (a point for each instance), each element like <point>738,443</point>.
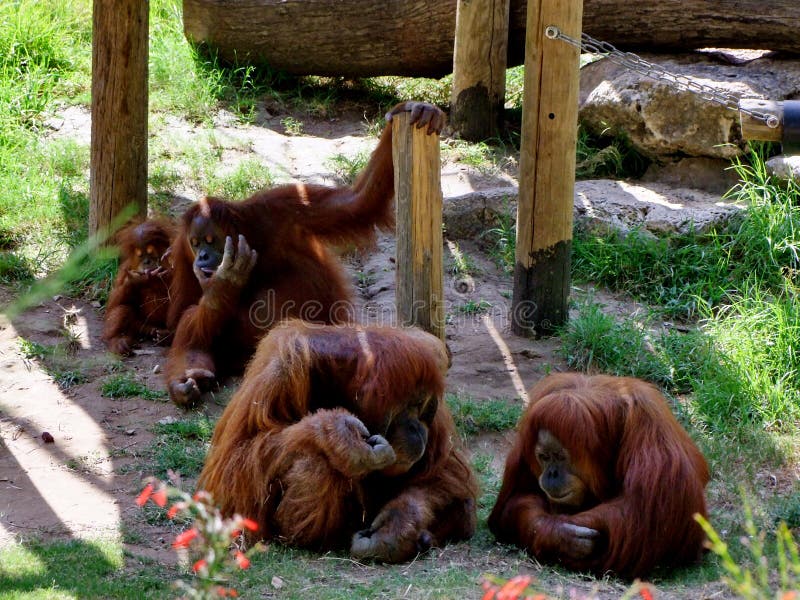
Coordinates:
<point>83,484</point>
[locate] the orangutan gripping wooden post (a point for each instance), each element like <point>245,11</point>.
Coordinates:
<point>602,477</point>
<point>242,267</point>
<point>338,437</point>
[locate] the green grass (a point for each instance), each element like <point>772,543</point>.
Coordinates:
<point>346,169</point>
<point>473,416</point>
<point>472,307</point>
<point>248,177</point>
<point>181,446</point>
<point>683,273</point>
<point>77,569</point>
<point>478,155</point>
<point>501,240</point>
<point>57,360</point>
<point>740,365</point>
<point>463,265</point>
<point>125,385</point>
<point>595,341</point>
<point>45,54</point>
<point>599,156</point>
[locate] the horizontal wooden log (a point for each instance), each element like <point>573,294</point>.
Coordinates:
<point>359,38</point>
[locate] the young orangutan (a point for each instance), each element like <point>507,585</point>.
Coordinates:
<point>139,301</point>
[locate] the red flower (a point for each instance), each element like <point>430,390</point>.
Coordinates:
<point>224,592</point>
<point>250,524</point>
<point>160,497</point>
<point>144,496</point>
<point>514,587</point>
<point>183,539</point>
<point>201,496</point>
<point>236,533</point>
<point>241,560</point>
<point>645,594</point>
<point>175,509</point>
<point>199,565</point>
<point>490,592</point>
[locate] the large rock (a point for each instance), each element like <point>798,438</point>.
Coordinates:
<point>785,167</point>
<point>600,205</point>
<point>664,122</point>
<point>605,204</point>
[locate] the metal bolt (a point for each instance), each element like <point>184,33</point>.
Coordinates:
<point>551,31</point>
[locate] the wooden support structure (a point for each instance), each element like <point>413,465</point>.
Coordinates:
<point>479,68</point>
<point>418,197</point>
<point>119,112</point>
<point>547,169</point>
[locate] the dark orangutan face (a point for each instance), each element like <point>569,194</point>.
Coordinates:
<point>407,433</point>
<point>562,486</point>
<point>147,253</point>
<point>207,241</point>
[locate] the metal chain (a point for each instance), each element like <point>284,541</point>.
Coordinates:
<point>635,63</point>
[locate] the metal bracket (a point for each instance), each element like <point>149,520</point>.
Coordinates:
<point>790,141</point>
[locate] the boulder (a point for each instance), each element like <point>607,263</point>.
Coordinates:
<point>664,122</point>
<point>600,206</point>
<point>785,167</point>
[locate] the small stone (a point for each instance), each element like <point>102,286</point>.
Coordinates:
<point>277,582</point>
<point>130,432</point>
<point>156,369</point>
<point>169,420</point>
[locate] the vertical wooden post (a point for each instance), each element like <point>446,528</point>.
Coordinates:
<point>418,197</point>
<point>479,68</point>
<point>119,110</point>
<point>547,169</point>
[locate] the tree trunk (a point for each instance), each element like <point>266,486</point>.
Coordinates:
<point>118,179</point>
<point>361,38</point>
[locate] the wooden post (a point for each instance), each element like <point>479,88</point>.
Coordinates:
<point>479,68</point>
<point>547,169</point>
<point>119,111</point>
<point>418,197</point>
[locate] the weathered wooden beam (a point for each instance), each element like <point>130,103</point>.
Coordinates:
<point>119,111</point>
<point>479,68</point>
<point>415,37</point>
<point>547,169</point>
<point>418,198</point>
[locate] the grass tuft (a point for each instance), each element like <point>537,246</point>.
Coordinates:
<point>124,385</point>
<point>474,416</point>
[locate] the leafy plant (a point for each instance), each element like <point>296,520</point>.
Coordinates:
<point>758,582</point>
<point>345,168</point>
<point>292,126</point>
<point>208,541</point>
